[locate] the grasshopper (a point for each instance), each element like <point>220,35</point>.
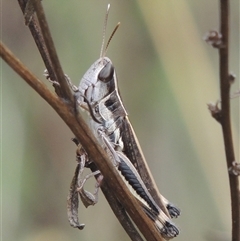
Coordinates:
<point>98,94</point>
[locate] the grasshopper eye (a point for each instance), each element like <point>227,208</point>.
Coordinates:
<point>106,74</point>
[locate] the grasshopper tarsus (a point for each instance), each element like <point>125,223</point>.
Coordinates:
<point>174,212</point>
<point>169,230</point>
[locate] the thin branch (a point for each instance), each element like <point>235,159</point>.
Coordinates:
<point>225,84</point>
<point>60,77</point>
<point>90,144</point>
<point>220,40</point>
<point>32,23</point>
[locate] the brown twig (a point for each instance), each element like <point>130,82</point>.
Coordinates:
<point>60,77</point>
<point>221,41</point>
<point>32,23</point>
<point>225,84</point>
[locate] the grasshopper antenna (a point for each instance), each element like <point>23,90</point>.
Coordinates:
<point>104,30</point>
<point>110,38</point>
<point>104,51</point>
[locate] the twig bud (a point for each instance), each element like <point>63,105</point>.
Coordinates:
<point>215,111</point>
<point>235,168</point>
<point>214,38</point>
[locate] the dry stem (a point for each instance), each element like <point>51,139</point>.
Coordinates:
<point>223,115</point>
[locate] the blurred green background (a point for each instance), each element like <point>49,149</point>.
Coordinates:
<point>167,74</point>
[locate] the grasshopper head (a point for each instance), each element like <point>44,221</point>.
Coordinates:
<point>98,82</point>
